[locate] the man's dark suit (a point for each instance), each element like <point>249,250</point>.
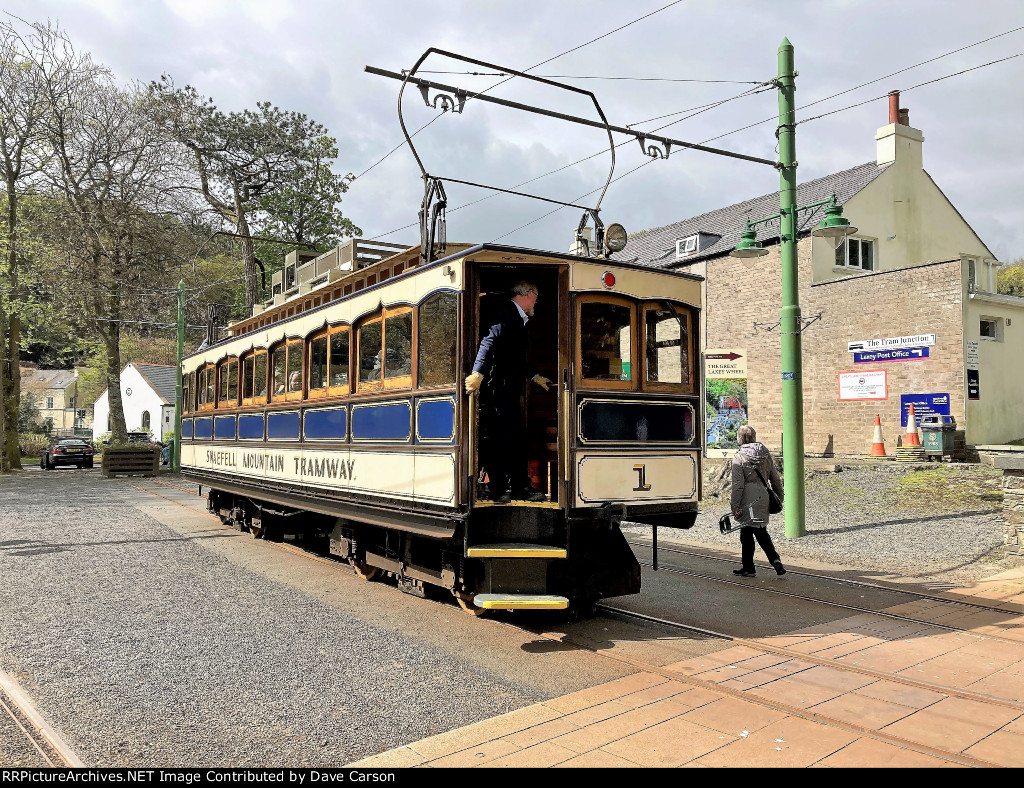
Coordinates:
<point>503,363</point>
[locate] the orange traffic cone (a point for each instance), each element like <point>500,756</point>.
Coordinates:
<point>911,439</point>
<point>877,445</point>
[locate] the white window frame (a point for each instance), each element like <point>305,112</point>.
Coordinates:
<point>998,324</point>
<point>49,403</point>
<point>845,247</point>
<point>686,246</point>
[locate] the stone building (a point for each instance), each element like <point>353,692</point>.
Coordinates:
<point>914,268</point>
<point>55,392</point>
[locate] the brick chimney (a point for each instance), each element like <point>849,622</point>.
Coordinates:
<point>898,142</point>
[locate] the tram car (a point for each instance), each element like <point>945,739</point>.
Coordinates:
<point>339,407</point>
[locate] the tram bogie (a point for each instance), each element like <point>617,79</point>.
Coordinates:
<point>338,413</point>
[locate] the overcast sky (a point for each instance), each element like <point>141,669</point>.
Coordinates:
<point>308,55</point>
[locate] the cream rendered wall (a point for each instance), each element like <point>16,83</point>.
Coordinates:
<point>903,202</point>
<point>997,417</point>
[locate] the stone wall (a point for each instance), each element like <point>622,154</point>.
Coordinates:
<point>923,299</point>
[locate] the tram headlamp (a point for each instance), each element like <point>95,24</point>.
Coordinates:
<point>615,237</point>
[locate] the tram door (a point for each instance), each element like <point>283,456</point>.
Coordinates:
<point>547,353</point>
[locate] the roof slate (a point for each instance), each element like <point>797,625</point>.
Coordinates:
<point>39,379</point>
<point>657,247</point>
<point>164,379</point>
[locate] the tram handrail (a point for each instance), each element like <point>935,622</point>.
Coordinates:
<point>471,462</point>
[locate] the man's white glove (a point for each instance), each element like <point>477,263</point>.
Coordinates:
<point>541,381</point>
<point>473,382</point>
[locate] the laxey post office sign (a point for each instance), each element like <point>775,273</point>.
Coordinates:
<point>924,405</point>
<point>914,340</point>
<point>857,385</point>
<point>890,354</point>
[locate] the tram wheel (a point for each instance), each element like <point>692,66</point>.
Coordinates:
<point>364,570</point>
<point>257,531</point>
<point>465,601</point>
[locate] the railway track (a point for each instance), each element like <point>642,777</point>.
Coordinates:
<point>807,714</point>
<point>19,717</point>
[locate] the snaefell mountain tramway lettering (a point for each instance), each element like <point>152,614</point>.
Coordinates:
<point>325,468</point>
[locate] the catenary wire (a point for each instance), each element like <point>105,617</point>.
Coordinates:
<point>579,76</point>
<point>502,82</point>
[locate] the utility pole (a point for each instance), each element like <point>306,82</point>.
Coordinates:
<point>790,318</point>
<point>176,449</point>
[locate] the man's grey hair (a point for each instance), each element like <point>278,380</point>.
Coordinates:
<point>522,287</point>
<point>746,434</point>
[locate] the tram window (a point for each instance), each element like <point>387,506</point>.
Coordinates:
<point>209,386</point>
<point>437,328</point>
<point>222,377</point>
<point>185,389</point>
<point>259,384</point>
<point>233,382</point>
<point>606,341</point>
<point>200,384</point>
<point>370,341</point>
<point>338,362</point>
<point>318,366</point>
<point>667,341</point>
<point>295,369</point>
<point>280,356</point>
<point>248,367</point>
<point>398,346</point>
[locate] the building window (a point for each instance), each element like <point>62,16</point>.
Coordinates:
<point>145,420</point>
<point>856,253</point>
<point>991,328</point>
<point>49,403</point>
<point>685,246</point>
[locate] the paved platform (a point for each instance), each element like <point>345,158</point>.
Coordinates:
<point>959,701</point>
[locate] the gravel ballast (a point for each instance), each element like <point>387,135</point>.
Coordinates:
<point>147,648</point>
<point>940,525</point>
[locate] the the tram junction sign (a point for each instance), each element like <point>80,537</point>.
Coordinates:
<point>914,340</point>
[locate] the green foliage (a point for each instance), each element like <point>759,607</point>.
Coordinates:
<point>28,413</point>
<point>1011,279</point>
<point>32,444</point>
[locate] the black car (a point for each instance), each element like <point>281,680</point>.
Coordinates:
<point>67,451</point>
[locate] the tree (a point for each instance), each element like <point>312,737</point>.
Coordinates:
<point>22,108</point>
<point>1011,279</point>
<point>251,162</point>
<point>115,206</point>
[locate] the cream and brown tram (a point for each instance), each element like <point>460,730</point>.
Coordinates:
<point>338,409</point>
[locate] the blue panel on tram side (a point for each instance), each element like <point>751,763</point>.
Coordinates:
<point>250,427</point>
<point>224,428</point>
<point>204,428</point>
<point>283,426</point>
<point>388,421</point>
<point>435,420</point>
<point>325,424</point>
<point>186,428</point>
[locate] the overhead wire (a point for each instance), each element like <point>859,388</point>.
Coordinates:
<point>580,76</point>
<point>536,65</point>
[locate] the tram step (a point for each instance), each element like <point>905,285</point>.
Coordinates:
<point>515,550</point>
<point>520,602</point>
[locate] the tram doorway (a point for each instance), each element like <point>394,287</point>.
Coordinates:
<point>546,336</point>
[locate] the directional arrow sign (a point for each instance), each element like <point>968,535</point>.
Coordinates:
<point>729,356</point>
<point>894,354</point>
<point>725,363</point>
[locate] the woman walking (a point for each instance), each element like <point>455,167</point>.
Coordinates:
<point>752,468</point>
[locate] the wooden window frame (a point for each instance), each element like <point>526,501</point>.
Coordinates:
<point>458,307</point>
<point>253,354</point>
<point>634,341</point>
<point>271,380</point>
<point>402,381</point>
<point>317,393</point>
<point>185,389</point>
<point>210,371</point>
<point>335,391</point>
<point>370,385</point>
<point>223,375</point>
<point>668,388</point>
<point>289,343</point>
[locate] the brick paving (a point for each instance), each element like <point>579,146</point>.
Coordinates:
<point>651,720</point>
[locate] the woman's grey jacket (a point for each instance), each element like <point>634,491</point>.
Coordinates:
<point>749,497</point>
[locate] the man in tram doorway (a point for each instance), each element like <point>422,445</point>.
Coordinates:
<point>499,372</point>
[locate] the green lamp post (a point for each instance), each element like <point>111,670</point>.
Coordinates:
<point>833,227</point>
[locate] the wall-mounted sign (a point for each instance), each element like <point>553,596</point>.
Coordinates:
<point>891,342</point>
<point>972,356</point>
<point>862,385</point>
<point>896,354</point>
<point>973,384</point>
<point>725,399</point>
<point>924,405</point>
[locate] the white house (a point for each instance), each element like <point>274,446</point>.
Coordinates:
<point>147,394</point>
